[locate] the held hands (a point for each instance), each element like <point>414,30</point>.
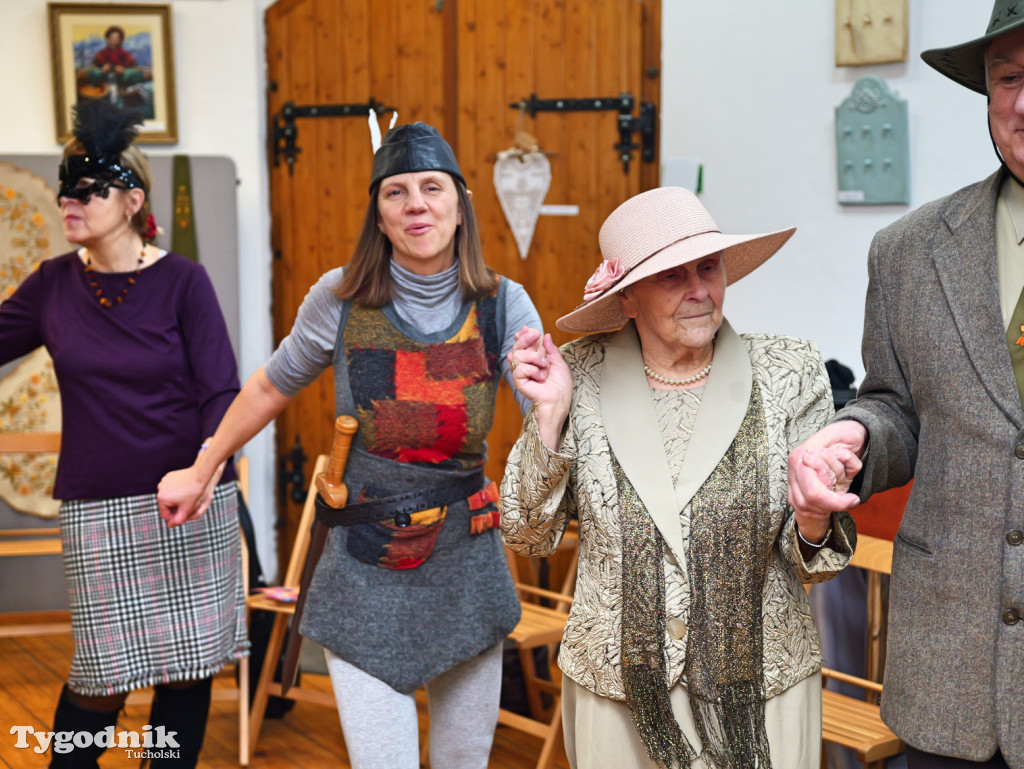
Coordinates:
<point>821,470</point>
<point>182,497</point>
<point>541,374</point>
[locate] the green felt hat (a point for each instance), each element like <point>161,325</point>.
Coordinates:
<point>965,63</point>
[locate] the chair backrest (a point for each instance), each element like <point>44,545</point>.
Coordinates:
<point>20,443</point>
<point>242,468</point>
<point>873,554</point>
<point>849,721</point>
<point>566,560</point>
<point>42,541</point>
<point>297,559</point>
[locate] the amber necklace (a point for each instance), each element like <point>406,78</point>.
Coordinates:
<point>94,284</point>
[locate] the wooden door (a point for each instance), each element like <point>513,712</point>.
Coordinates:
<point>581,49</point>
<point>459,65</point>
<point>332,52</point>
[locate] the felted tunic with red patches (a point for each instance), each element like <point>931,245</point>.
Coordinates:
<point>425,403</point>
<point>430,402</point>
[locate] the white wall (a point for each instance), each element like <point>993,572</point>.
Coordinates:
<point>750,88</point>
<point>219,60</point>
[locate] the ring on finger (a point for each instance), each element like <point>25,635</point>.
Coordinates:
<point>512,364</point>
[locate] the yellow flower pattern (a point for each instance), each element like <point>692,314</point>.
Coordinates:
<point>30,231</point>
<point>31,406</point>
<point>27,237</point>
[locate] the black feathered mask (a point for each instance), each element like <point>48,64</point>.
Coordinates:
<point>105,132</point>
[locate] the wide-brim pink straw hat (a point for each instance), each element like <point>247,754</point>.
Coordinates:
<point>654,231</point>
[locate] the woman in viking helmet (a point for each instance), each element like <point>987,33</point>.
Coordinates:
<point>413,587</point>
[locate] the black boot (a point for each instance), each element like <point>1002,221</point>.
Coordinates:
<point>182,713</point>
<point>72,718</point>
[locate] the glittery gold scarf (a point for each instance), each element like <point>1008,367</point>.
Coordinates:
<point>727,556</point>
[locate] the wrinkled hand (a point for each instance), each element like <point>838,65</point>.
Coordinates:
<point>541,374</point>
<point>820,472</point>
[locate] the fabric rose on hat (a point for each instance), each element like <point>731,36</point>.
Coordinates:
<point>607,274</point>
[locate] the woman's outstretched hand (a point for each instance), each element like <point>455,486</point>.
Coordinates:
<point>182,498</point>
<point>541,374</point>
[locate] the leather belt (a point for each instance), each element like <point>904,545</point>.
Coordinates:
<point>401,506</point>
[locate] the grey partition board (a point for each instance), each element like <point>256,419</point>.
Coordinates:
<point>214,201</point>
<point>36,583</point>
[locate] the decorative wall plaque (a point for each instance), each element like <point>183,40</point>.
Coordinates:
<point>870,31</point>
<point>522,176</point>
<point>872,146</point>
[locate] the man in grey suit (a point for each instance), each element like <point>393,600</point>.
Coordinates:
<point>941,404</point>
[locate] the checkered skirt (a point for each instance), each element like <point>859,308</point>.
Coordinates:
<point>151,605</point>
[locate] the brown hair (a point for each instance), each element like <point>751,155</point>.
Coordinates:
<point>132,159</point>
<point>367,279</point>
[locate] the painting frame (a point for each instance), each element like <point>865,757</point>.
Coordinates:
<point>121,52</point>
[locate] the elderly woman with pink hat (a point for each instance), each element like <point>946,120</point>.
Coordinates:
<point>690,640</point>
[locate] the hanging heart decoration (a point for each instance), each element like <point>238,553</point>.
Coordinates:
<point>522,180</point>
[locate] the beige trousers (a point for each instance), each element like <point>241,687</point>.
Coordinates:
<point>599,731</point>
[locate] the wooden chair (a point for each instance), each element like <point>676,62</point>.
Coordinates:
<point>283,611</point>
<point>241,692</point>
<point>855,723</point>
<point>34,541</point>
<point>847,721</point>
<point>40,541</point>
<point>539,626</point>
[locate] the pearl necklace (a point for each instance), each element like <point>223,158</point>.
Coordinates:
<point>687,380</point>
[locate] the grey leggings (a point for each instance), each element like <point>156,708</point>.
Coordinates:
<point>381,727</point>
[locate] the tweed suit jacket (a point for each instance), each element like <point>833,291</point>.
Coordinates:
<point>941,406</point>
<point>612,411</point>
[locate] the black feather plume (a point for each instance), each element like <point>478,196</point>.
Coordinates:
<point>105,130</point>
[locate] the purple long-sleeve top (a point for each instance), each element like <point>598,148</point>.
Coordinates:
<point>141,384</point>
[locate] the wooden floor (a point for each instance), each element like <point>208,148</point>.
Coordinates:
<point>34,667</point>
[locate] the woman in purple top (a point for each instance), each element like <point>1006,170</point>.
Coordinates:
<point>145,370</point>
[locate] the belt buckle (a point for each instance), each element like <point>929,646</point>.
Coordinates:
<point>430,515</point>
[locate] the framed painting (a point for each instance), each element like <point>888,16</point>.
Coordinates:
<point>123,53</point>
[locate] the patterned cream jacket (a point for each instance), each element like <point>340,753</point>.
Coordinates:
<point>612,409</point>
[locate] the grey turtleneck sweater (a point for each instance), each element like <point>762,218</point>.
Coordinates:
<point>429,303</point>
